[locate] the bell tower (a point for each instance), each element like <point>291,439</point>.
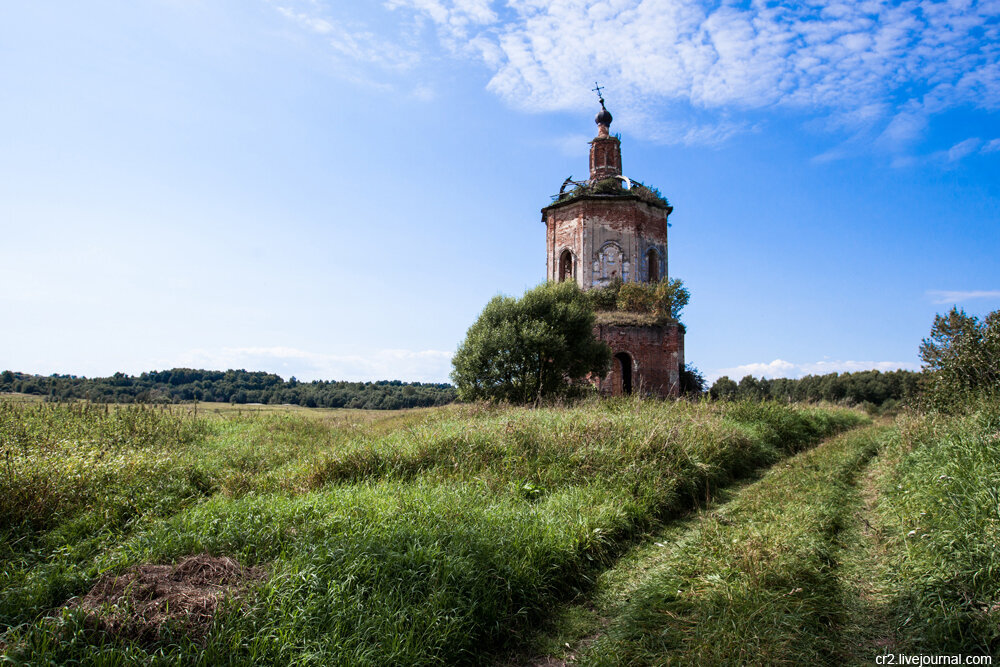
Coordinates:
<point>605,150</point>
<point>610,228</point>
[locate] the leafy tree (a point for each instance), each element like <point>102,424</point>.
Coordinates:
<point>951,336</point>
<point>962,356</point>
<point>183,384</point>
<point>723,389</point>
<point>864,387</point>
<point>751,388</point>
<point>692,381</point>
<point>523,350</point>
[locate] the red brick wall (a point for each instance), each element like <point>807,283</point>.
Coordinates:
<point>605,158</point>
<point>629,217</point>
<point>585,224</point>
<point>564,232</point>
<point>657,354</point>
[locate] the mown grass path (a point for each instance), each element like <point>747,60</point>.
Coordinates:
<point>778,570</point>
<point>868,629</point>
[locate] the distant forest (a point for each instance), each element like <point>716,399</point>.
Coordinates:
<point>233,386</point>
<point>874,388</point>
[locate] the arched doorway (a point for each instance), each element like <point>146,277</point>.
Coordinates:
<point>565,266</point>
<point>624,360</point>
<point>653,266</point>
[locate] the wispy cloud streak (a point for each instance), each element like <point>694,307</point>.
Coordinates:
<point>958,296</point>
<point>354,43</point>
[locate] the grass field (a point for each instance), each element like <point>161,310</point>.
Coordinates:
<point>756,580</point>
<point>938,510</point>
<point>209,409</point>
<point>432,537</point>
<point>878,541</point>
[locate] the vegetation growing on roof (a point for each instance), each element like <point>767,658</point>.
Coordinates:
<point>639,304</point>
<point>620,318</point>
<point>615,187</point>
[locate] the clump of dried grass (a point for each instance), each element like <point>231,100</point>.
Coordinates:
<point>146,599</point>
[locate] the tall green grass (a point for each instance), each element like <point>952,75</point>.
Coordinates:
<point>76,479</point>
<point>425,543</point>
<point>805,567</point>
<point>940,503</point>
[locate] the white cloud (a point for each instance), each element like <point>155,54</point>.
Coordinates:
<point>962,149</point>
<point>781,368</point>
<point>845,150</point>
<point>949,156</point>
<point>407,365</point>
<point>991,146</point>
<point>823,367</point>
<point>354,42</point>
<point>688,132</point>
<point>880,64</point>
<point>423,93</point>
<point>776,368</point>
<point>456,17</point>
<point>904,129</point>
<point>957,296</point>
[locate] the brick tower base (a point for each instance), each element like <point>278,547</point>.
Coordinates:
<point>646,359</point>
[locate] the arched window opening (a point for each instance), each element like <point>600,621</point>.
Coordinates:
<point>653,266</point>
<point>565,266</point>
<point>625,366</point>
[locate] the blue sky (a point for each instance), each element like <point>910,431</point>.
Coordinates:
<point>334,190</point>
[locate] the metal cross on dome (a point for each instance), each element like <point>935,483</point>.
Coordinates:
<point>598,90</point>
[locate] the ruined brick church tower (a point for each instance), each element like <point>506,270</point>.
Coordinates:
<point>606,228</point>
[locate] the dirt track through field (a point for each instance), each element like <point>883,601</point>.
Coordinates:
<point>854,619</point>
<point>868,630</point>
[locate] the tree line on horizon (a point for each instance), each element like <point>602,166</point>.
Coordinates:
<point>961,361</point>
<point>180,385</point>
<point>882,389</point>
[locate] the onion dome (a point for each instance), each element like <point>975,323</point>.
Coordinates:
<point>603,116</point>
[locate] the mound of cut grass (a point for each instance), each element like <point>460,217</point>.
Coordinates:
<point>147,601</point>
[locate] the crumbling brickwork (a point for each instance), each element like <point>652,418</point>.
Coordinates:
<point>656,355</point>
<point>602,232</point>
<point>607,237</point>
<point>605,158</point>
